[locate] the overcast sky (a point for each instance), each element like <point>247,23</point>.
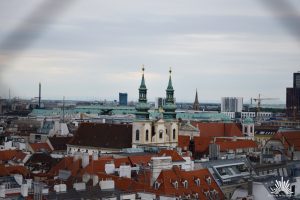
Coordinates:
<point>92,50</point>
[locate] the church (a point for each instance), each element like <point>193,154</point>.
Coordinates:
<point>148,132</point>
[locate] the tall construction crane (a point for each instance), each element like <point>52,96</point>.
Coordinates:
<point>259,100</point>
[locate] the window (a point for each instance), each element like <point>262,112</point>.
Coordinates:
<point>245,129</point>
<point>185,184</point>
<point>174,134</point>
<point>160,134</point>
<point>156,185</point>
<point>137,135</point>
<point>197,181</point>
<point>208,180</point>
<point>147,135</point>
<point>251,129</point>
<point>175,184</point>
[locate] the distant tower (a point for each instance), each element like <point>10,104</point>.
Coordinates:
<point>196,105</point>
<point>40,93</point>
<point>123,99</point>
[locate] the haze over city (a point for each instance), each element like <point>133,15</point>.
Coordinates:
<point>94,50</point>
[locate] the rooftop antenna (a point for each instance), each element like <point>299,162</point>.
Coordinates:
<point>63,109</point>
<point>40,93</point>
<point>9,94</point>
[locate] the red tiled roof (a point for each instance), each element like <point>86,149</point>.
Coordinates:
<point>202,144</point>
<point>16,169</point>
<point>167,178</point>
<point>7,155</point>
<point>140,160</point>
<point>216,129</point>
<point>184,142</point>
<point>289,139</point>
<point>38,147</point>
<point>175,156</point>
<point>3,171</point>
<point>226,145</point>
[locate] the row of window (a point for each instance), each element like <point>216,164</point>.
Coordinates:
<point>137,134</point>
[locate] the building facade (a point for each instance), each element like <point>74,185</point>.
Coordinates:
<point>159,132</point>
<point>293,98</point>
<point>123,99</point>
<point>231,104</point>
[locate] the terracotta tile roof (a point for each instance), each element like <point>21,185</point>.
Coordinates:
<point>174,154</point>
<point>40,147</point>
<point>226,145</point>
<point>140,160</point>
<point>184,142</point>
<point>7,155</point>
<point>202,144</point>
<point>3,171</point>
<point>289,139</point>
<point>18,169</point>
<point>14,155</point>
<point>168,178</point>
<point>115,136</point>
<point>216,129</point>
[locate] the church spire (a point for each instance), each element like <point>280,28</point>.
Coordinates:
<point>170,86</point>
<point>170,106</point>
<point>143,85</point>
<point>142,106</point>
<point>196,105</point>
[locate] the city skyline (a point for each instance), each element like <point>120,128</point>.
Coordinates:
<point>93,51</point>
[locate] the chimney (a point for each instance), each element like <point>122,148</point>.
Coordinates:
<point>157,165</point>
<point>85,160</point>
<point>250,187</point>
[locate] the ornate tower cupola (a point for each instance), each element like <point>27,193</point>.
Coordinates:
<point>142,106</point>
<point>170,106</point>
<point>196,105</point>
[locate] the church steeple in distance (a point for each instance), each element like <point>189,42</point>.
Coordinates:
<point>142,106</point>
<point>170,107</point>
<point>196,105</point>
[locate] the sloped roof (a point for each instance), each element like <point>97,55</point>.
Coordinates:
<point>114,136</point>
<point>216,129</point>
<point>167,178</point>
<point>289,139</point>
<point>174,155</point>
<point>7,155</point>
<point>59,143</point>
<point>202,144</point>
<point>183,142</point>
<point>40,147</point>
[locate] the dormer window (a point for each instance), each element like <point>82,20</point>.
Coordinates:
<point>208,180</point>
<point>175,184</point>
<point>206,193</point>
<point>196,195</point>
<point>185,184</point>
<point>156,185</point>
<point>197,181</point>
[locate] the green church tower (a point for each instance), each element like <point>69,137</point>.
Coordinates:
<point>142,106</point>
<point>169,107</point>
